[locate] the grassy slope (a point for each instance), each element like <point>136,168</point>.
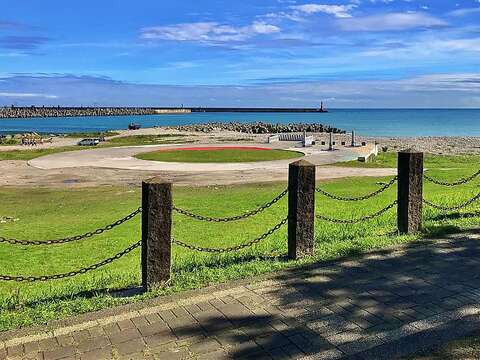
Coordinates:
<point>123,141</point>
<point>219,156</point>
<point>58,213</point>
<point>389,160</point>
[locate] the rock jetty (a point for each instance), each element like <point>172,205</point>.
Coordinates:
<point>259,128</point>
<point>32,112</point>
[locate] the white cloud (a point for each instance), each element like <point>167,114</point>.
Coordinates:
<point>464,12</point>
<point>391,22</point>
<point>27,95</point>
<point>339,11</point>
<point>208,32</point>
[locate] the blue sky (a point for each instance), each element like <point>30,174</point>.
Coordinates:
<point>349,53</point>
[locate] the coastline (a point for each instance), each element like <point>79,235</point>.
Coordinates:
<point>440,145</point>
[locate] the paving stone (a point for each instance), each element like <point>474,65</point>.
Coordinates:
<point>309,344</point>
<point>153,318</point>
<point>193,309</point>
<point>35,355</point>
<point>167,315</point>
<point>155,328</point>
<point>246,349</point>
<point>180,312</point>
<point>236,313</point>
<point>178,354</point>
<point>220,354</point>
<point>124,336</point>
<point>205,347</point>
<point>97,354</point>
<point>289,351</point>
<point>92,344</point>
<point>159,339</point>
<point>332,325</point>
<point>111,329</point>
<point>344,337</point>
<point>81,335</point>
<point>15,350</point>
<point>130,347</point>
<point>360,345</point>
<point>96,332</point>
<point>59,353</point>
<point>140,321</point>
<point>332,354</point>
<point>47,344</point>
<point>125,324</point>
<point>32,347</point>
<point>205,306</point>
<point>273,341</point>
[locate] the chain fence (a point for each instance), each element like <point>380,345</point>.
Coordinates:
<point>72,238</point>
<point>452,208</point>
<point>360,198</point>
<point>72,273</point>
<point>233,248</point>
<point>455,183</point>
<point>231,218</point>
<point>359,220</point>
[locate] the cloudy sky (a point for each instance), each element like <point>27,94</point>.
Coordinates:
<point>349,53</point>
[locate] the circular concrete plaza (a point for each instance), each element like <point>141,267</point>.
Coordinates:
<point>125,158</point>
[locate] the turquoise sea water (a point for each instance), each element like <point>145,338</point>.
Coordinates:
<point>392,122</point>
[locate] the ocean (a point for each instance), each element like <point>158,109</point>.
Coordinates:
<point>379,122</point>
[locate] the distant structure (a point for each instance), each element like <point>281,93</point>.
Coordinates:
<point>322,108</point>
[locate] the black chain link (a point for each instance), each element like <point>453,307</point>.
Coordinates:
<point>233,248</point>
<point>360,198</point>
<point>72,238</point>
<point>232,218</point>
<point>455,183</point>
<point>71,273</point>
<point>359,220</point>
<point>453,208</point>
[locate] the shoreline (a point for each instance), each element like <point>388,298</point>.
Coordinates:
<point>440,145</point>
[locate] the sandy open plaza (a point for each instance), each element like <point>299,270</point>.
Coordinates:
<point>118,165</point>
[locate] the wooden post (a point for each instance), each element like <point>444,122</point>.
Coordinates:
<point>156,232</point>
<point>330,141</point>
<point>301,209</point>
<point>410,191</point>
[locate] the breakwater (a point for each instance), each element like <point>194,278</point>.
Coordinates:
<point>44,112</point>
<point>260,110</point>
<point>259,128</point>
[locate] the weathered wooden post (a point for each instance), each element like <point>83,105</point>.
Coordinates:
<point>330,141</point>
<point>410,191</point>
<point>156,232</point>
<point>301,209</point>
<point>354,142</point>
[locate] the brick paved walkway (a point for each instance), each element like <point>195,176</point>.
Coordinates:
<point>380,305</point>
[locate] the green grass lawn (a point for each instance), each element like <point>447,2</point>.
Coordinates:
<point>50,213</point>
<point>219,156</point>
<point>133,140</point>
<point>35,152</point>
<point>389,160</point>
